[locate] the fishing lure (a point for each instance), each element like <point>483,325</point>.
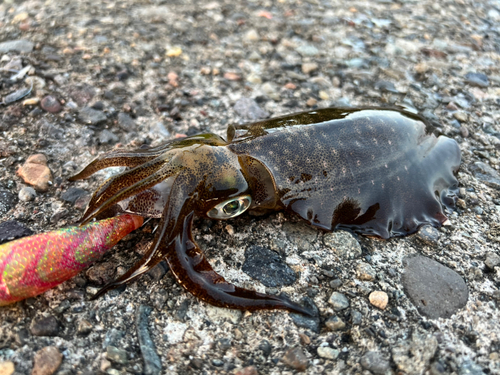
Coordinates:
<point>31,265</point>
<point>373,171</point>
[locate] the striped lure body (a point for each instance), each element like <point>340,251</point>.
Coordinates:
<point>31,265</point>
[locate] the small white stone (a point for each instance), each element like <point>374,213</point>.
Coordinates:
<point>27,194</point>
<point>328,353</point>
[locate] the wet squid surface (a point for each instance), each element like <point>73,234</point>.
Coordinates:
<point>374,171</point>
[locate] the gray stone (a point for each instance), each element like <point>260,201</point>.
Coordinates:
<point>492,260</point>
<point>338,301</point>
<point>106,137</point>
<point>301,234</point>
<point>311,322</point>
<point>7,201</point>
<point>375,362</point>
<point>436,290</point>
<point>152,362</point>
<point>48,326</point>
<point>477,79</point>
<point>125,122</point>
<point>412,356</point>
<point>429,235</point>
<point>20,45</point>
<point>91,116</point>
<point>307,50</point>
<point>268,267</point>
<point>11,230</point>
<point>72,194</point>
<point>116,355</point>
<point>468,367</point>
<point>484,173</point>
<point>249,109</point>
<point>343,244</point>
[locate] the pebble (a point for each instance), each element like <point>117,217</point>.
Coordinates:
<point>27,194</point>
<point>249,370</point>
<point>300,234</point>
<point>107,137</point>
<point>91,116</point>
<point>251,35</point>
<point>461,116</point>
<point>268,267</point>
<point>82,93</point>
<point>47,326</point>
<point>7,201</point>
<point>311,102</point>
<point>51,104</point>
<point>412,356</point>
<point>323,95</point>
<point>295,359</point>
<point>339,301</point>
<point>152,362</point>
<point>46,361</point>
<point>73,194</point>
<point>174,51</point>
<point>429,235</point>
<point>343,244</point>
<point>436,290</point>
<point>84,327</point>
<point>365,272</point>
<point>270,90</point>
<point>116,355</point>
<point>307,50</point>
<point>249,109</point>
<point>468,367</point>
<point>309,67</point>
<point>254,78</point>
<point>20,45</point>
<point>217,362</point>
<point>125,122</point>
<point>477,79</point>
<point>328,353</point>
<point>7,368</point>
<point>386,86</point>
<point>31,101</point>
<point>219,314</point>
<point>492,260</point>
<point>379,299</point>
<point>484,173</point>
<point>334,323</point>
<point>11,230</point>
<point>335,283</point>
<point>305,321</point>
<point>356,317</point>
<point>35,172</point>
<point>375,362</point>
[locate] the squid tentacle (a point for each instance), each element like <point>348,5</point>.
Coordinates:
<point>122,158</point>
<point>137,181</point>
<point>156,252</point>
<point>174,243</point>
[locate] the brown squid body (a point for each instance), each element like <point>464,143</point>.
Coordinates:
<point>373,171</point>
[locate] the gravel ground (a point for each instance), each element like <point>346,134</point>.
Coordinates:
<point>130,73</point>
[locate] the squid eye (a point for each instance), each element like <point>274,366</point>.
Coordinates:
<point>230,208</point>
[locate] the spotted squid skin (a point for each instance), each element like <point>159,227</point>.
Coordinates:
<point>31,265</point>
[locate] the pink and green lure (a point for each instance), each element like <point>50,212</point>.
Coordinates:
<point>31,265</point>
